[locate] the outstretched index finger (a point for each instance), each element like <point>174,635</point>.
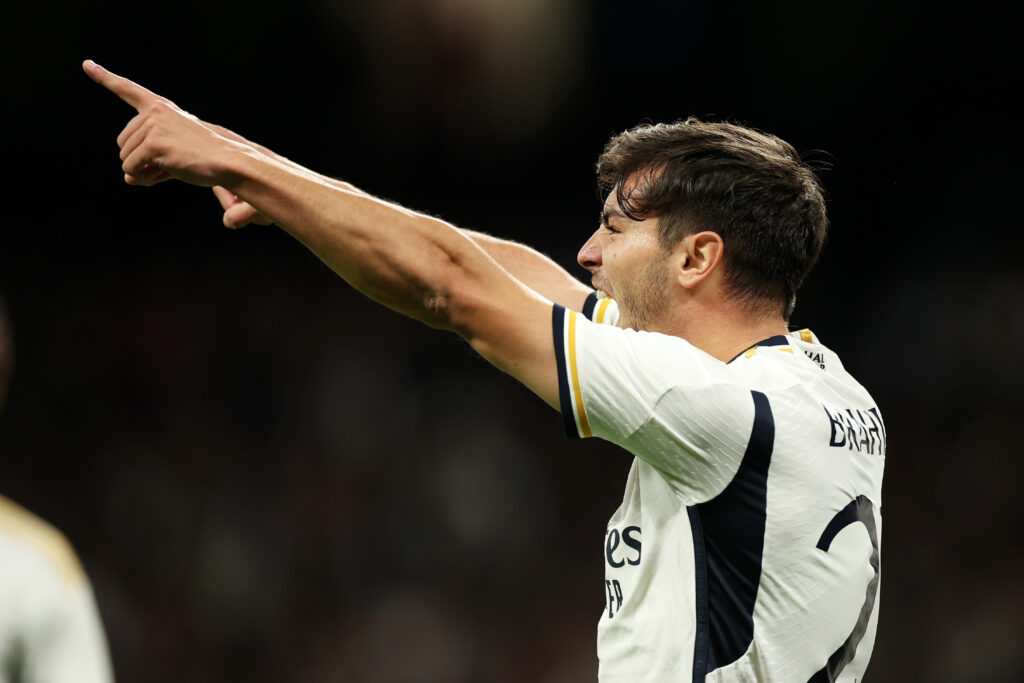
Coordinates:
<point>129,91</point>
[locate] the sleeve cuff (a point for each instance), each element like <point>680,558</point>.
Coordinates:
<point>589,304</point>
<point>570,395</point>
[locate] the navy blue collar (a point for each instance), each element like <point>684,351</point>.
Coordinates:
<point>777,340</point>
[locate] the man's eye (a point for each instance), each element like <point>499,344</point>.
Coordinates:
<point>609,228</point>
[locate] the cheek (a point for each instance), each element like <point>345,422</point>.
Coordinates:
<point>635,255</point>
<point>649,250</point>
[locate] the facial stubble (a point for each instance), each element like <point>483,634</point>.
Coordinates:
<point>646,298</point>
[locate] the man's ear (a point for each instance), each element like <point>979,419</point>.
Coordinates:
<point>699,256</point>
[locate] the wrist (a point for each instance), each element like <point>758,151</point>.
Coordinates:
<point>234,164</point>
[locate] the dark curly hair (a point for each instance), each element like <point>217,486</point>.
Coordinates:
<point>751,188</point>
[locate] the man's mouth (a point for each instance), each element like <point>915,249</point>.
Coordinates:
<point>601,286</point>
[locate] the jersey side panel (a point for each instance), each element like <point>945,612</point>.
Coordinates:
<point>647,630</point>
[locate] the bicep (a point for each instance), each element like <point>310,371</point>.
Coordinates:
<point>510,325</point>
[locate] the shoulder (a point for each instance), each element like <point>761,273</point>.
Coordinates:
<point>804,377</point>
<point>656,361</point>
<point>28,541</point>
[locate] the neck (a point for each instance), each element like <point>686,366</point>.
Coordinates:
<point>723,331</point>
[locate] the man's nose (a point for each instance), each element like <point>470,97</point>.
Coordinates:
<point>590,254</point>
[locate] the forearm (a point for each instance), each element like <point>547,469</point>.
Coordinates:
<point>405,260</point>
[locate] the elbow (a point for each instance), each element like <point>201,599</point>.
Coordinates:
<point>444,297</point>
<point>437,305</point>
<point>449,281</point>
<point>454,303</point>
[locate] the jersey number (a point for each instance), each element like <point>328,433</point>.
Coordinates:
<point>860,510</point>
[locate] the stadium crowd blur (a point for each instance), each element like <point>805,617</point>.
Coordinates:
<point>270,478</point>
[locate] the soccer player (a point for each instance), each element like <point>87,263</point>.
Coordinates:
<point>50,631</point>
<point>746,547</point>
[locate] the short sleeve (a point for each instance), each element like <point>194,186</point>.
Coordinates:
<point>601,309</point>
<point>659,397</point>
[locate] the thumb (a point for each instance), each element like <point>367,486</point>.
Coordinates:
<point>241,214</point>
<point>238,215</point>
<point>226,197</point>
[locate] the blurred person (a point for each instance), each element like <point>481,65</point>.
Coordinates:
<point>746,547</point>
<point>50,629</point>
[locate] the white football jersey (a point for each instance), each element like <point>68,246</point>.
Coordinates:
<point>746,547</point>
<point>50,631</point>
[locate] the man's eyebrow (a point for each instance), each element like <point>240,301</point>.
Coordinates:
<point>607,214</point>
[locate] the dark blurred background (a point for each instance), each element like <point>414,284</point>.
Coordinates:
<point>269,478</point>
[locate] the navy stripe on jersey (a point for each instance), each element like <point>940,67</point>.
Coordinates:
<point>728,540</point>
<point>564,387</point>
<point>700,578</point>
<point>589,305</point>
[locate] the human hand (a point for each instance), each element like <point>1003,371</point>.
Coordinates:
<point>163,141</point>
<point>237,212</point>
